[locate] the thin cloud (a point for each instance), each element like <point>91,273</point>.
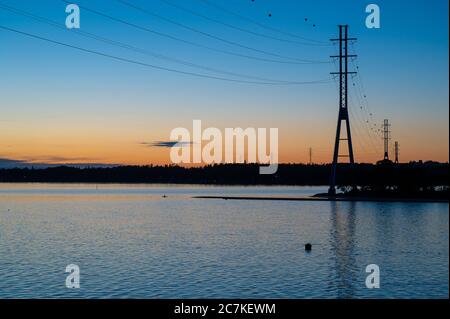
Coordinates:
<point>56,159</point>
<point>11,163</point>
<point>167,144</point>
<point>40,163</point>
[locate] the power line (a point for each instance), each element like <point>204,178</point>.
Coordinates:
<point>204,33</point>
<point>367,121</point>
<point>130,47</point>
<point>363,95</point>
<point>368,115</point>
<point>365,124</point>
<point>142,28</point>
<point>371,140</point>
<point>147,64</point>
<point>363,105</point>
<point>361,81</point>
<point>359,134</point>
<point>236,27</point>
<point>150,13</point>
<point>259,24</point>
<point>365,117</point>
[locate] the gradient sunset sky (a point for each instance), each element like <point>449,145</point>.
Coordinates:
<point>61,105</point>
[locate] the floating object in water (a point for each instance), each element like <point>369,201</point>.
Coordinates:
<point>164,196</point>
<point>308,247</point>
<point>270,14</point>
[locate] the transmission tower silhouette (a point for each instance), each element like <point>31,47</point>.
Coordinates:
<point>343,104</point>
<point>386,138</point>
<point>396,152</point>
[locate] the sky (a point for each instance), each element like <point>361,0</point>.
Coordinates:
<point>59,104</point>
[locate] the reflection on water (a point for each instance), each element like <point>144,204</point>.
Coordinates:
<point>130,241</point>
<point>342,236</point>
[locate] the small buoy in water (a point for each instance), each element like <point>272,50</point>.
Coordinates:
<point>164,196</point>
<point>308,247</point>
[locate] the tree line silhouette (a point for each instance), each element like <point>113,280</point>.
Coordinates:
<point>408,178</point>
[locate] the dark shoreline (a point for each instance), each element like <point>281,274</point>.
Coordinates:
<point>405,182</point>
<point>329,199</point>
<point>405,174</point>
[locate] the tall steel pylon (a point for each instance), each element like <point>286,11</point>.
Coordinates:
<point>386,138</point>
<point>343,103</point>
<point>396,150</point>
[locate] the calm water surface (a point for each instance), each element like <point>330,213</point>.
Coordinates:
<point>130,242</point>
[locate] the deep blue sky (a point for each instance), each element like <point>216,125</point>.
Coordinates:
<point>57,101</point>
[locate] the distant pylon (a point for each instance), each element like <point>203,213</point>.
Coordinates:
<point>343,103</point>
<point>386,138</point>
<point>310,156</point>
<point>396,152</point>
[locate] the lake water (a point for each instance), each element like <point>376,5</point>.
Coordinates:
<point>129,242</point>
